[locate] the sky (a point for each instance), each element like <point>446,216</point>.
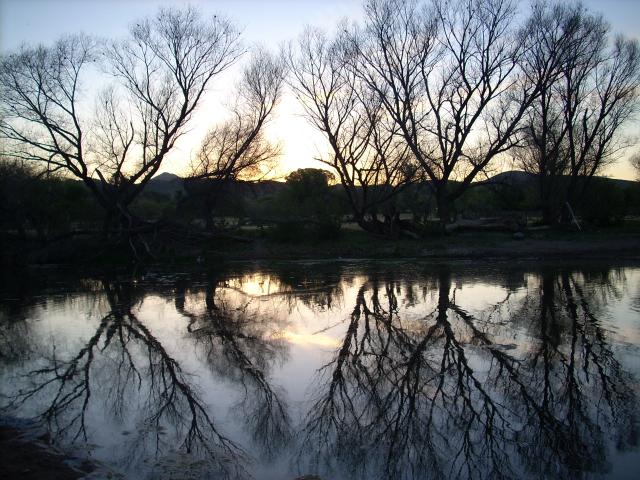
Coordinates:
<point>268,23</point>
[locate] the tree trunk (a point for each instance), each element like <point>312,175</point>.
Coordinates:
<point>548,199</point>
<point>373,225</point>
<point>549,216</point>
<point>565,215</point>
<point>443,203</point>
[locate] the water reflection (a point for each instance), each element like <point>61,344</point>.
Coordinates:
<point>420,373</point>
<point>241,344</point>
<point>122,359</point>
<point>444,396</point>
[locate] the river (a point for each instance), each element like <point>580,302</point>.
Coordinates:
<point>349,370</point>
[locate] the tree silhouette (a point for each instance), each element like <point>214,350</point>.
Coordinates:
<point>161,71</point>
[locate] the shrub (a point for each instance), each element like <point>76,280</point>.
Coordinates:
<point>604,205</point>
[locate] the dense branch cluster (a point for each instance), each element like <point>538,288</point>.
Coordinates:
<point>155,80</point>
<point>449,88</point>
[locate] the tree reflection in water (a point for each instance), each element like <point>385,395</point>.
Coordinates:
<point>241,344</point>
<point>444,397</point>
<point>423,384</point>
<point>121,361</point>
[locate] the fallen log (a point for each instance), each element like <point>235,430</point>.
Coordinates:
<point>484,224</point>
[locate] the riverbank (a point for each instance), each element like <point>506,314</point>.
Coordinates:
<point>28,456</point>
<point>619,242</point>
<point>460,246</point>
<point>613,243</point>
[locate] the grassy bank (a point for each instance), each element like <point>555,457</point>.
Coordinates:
<point>613,242</point>
<point>462,245</point>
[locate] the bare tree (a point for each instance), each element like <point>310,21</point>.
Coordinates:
<point>573,127</point>
<point>365,152</point>
<point>434,76</point>
<point>448,75</point>
<point>238,149</point>
<point>38,93</point>
<point>161,71</point>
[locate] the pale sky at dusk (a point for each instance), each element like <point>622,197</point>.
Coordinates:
<point>267,22</point>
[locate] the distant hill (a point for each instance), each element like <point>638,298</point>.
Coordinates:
<point>165,184</point>
<point>513,177</point>
<point>525,179</point>
<point>169,184</point>
<point>165,177</point>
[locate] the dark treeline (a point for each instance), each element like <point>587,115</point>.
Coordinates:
<point>420,105</point>
<point>38,210</point>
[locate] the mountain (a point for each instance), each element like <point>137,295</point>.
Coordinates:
<point>169,184</point>
<point>165,184</point>
<point>513,177</point>
<point>165,177</point>
<point>518,178</point>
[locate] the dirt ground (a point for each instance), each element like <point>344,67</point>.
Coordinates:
<point>31,459</point>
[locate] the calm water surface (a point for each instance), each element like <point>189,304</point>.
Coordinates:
<point>347,371</point>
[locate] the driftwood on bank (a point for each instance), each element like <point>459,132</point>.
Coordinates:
<point>143,241</point>
<point>485,224</point>
<point>157,229</point>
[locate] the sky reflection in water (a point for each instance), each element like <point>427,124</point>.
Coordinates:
<point>347,371</point>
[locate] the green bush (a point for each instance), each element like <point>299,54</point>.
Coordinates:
<point>604,204</point>
<point>43,204</point>
<point>286,231</point>
<point>307,207</point>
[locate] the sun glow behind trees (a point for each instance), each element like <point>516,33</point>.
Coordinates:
<point>268,23</point>
<point>261,23</point>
